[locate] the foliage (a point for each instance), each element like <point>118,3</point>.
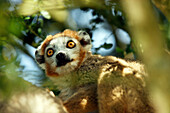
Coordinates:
<point>147,34</point>
<point>29,22</point>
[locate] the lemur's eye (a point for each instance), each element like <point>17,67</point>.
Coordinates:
<point>50,52</point>
<point>71,44</point>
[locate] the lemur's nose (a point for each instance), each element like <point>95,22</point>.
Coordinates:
<point>61,56</point>
<point>62,59</point>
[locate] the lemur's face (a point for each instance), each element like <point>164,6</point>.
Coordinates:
<point>63,52</point>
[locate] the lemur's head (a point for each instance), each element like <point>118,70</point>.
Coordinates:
<point>63,52</point>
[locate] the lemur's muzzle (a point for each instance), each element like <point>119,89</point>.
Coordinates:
<point>62,59</point>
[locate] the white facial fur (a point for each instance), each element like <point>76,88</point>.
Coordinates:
<point>59,46</point>
<point>63,59</point>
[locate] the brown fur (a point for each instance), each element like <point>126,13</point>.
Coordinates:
<point>82,58</point>
<point>50,72</point>
<point>109,89</point>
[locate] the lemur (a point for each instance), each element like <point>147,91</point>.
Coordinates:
<point>92,82</point>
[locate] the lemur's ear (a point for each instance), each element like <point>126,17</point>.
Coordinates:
<point>39,57</point>
<point>85,40</point>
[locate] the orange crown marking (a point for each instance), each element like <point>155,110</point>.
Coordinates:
<point>45,43</point>
<point>68,33</point>
<point>65,33</point>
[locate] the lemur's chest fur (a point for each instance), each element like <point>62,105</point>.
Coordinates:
<point>87,73</point>
<point>95,66</point>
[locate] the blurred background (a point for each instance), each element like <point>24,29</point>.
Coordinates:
<point>112,25</point>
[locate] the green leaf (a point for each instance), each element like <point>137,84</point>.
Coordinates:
<point>46,14</point>
<point>119,50</point>
<point>107,46</point>
<point>39,30</point>
<point>27,18</point>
